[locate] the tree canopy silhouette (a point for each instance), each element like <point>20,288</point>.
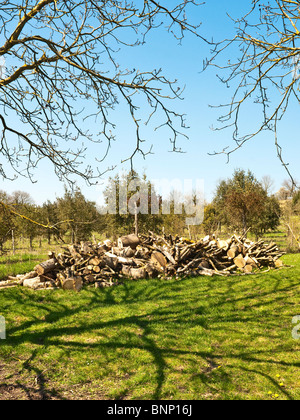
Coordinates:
<point>60,68</point>
<point>260,65</point>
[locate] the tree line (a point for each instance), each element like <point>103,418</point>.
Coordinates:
<point>239,204</point>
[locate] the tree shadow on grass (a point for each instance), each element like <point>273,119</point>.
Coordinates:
<point>172,313</point>
<point>13,387</point>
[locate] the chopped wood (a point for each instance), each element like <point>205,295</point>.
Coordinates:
<point>135,273</point>
<point>126,261</point>
<point>33,283</point>
<point>248,268</point>
<point>29,275</point>
<point>130,240</point>
<point>127,252</point>
<point>95,260</point>
<point>9,283</point>
<point>147,256</point>
<point>232,252</point>
<point>111,260</point>
<point>239,261</point>
<point>70,282</point>
<point>223,245</point>
<point>159,260</point>
<point>204,264</point>
<point>13,278</point>
<point>45,267</point>
<point>250,261</point>
<point>151,270</point>
<point>167,254</point>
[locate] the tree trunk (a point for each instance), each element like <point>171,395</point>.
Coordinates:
<point>13,242</point>
<point>73,239</point>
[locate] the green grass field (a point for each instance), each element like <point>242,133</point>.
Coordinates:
<point>203,338</point>
<point>24,259</point>
<point>18,264</point>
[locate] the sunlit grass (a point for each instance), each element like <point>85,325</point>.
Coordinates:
<point>19,264</point>
<point>203,338</point>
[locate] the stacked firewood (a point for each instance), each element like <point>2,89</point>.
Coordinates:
<point>148,256</point>
<point>210,256</point>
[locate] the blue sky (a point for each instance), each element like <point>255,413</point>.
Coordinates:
<point>202,89</point>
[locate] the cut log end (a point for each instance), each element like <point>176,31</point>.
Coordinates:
<point>45,267</point>
<point>159,260</point>
<point>131,241</point>
<point>239,261</point>
<point>72,283</point>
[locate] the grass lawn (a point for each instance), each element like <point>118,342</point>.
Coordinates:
<point>19,264</point>
<point>24,260</point>
<point>203,338</point>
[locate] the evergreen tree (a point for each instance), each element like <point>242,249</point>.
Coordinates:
<point>7,219</point>
<point>78,217</point>
<point>129,194</point>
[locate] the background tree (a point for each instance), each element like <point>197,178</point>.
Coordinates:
<point>269,218</point>
<point>174,219</point>
<point>265,72</point>
<point>121,195</point>
<point>50,217</point>
<point>7,220</point>
<point>290,220</point>
<point>28,215</point>
<point>267,184</point>
<point>212,219</point>
<point>282,194</point>
<point>21,198</point>
<point>290,187</point>
<point>28,225</point>
<point>78,217</point>
<point>241,201</point>
<point>62,69</point>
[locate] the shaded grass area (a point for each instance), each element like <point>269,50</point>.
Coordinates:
<point>203,338</point>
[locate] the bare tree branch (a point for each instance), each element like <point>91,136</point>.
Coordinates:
<point>61,69</point>
<point>265,72</point>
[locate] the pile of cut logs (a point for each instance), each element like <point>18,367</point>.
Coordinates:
<point>147,256</point>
